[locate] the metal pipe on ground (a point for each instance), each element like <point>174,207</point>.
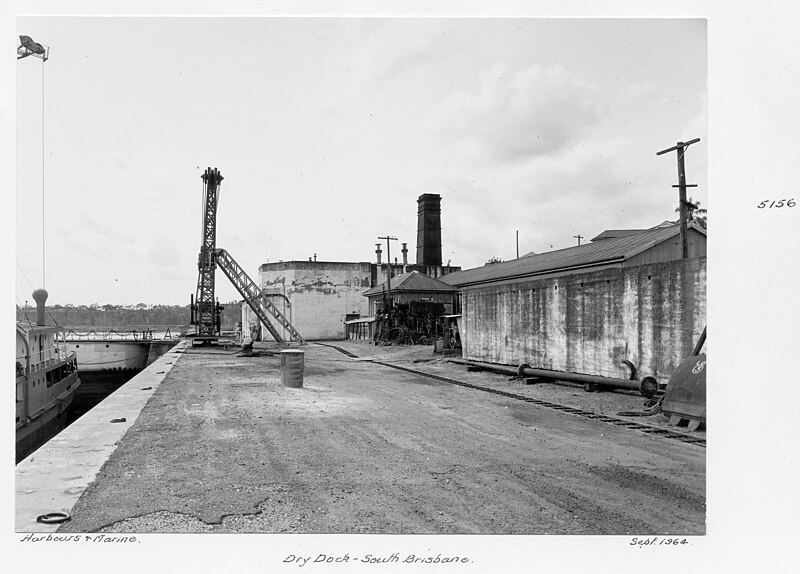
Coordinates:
<point>647,386</point>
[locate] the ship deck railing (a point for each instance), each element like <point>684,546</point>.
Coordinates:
<point>146,334</point>
<point>41,365</point>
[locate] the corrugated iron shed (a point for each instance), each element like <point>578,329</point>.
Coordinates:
<point>414,281</point>
<point>609,251</point>
<point>614,233</point>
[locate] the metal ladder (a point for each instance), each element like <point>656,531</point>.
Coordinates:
<point>253,296</point>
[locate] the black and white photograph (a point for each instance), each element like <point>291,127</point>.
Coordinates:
<point>416,290</point>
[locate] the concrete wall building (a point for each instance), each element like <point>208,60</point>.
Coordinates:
<point>316,296</point>
<point>319,296</point>
<point>586,309</point>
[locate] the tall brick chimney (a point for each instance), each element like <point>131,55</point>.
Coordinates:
<point>429,229</point>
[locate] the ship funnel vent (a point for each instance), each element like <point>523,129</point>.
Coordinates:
<point>40,296</point>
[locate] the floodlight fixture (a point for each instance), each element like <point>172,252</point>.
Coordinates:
<point>28,47</point>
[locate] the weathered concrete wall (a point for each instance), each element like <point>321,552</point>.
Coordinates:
<point>320,294</point>
<point>590,322</point>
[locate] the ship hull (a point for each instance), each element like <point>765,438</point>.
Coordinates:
<point>107,355</point>
<point>47,422</point>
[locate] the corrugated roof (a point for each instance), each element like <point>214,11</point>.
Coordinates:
<point>607,251</point>
<point>413,281</point>
<point>614,233</point>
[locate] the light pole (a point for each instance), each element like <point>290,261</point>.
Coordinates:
<point>27,48</point>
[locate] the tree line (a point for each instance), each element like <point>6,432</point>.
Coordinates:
<point>116,316</point>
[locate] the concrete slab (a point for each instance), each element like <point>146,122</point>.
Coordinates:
<point>223,446</point>
<point>53,478</point>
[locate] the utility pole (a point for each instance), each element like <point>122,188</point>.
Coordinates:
<point>517,243</point>
<point>680,147</point>
<point>388,238</point>
<point>578,237</point>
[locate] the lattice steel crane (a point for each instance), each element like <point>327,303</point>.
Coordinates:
<point>204,309</point>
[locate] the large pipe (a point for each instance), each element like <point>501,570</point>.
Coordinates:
<point>647,386</point>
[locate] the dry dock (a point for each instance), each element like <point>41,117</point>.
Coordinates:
<point>213,442</point>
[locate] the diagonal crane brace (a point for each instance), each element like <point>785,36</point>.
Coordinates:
<point>209,259</point>
<point>254,297</point>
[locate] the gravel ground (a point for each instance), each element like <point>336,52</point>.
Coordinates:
<point>223,447</point>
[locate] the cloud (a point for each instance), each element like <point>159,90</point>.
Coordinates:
<point>542,151</point>
<point>388,49</point>
<point>518,115</point>
<point>373,55</point>
<point>164,253</point>
<point>117,163</point>
<point>584,188</point>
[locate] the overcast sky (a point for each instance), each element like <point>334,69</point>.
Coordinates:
<point>326,131</point>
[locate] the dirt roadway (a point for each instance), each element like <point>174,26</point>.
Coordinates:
<point>222,446</point>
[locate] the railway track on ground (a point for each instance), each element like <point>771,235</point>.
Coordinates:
<point>616,421</point>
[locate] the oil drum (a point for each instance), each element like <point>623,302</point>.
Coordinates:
<point>292,364</point>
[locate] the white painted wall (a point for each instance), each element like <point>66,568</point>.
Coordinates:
<point>319,294</point>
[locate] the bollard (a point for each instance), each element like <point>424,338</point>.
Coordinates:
<point>292,364</point>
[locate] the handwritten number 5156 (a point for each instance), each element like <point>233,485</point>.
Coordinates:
<point>777,203</point>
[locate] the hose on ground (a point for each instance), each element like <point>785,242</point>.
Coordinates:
<point>654,407</point>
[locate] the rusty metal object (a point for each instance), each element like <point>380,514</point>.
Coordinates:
<point>685,398</point>
<point>700,342</point>
<point>649,387</point>
<point>53,518</point>
<point>631,368</point>
<point>412,323</point>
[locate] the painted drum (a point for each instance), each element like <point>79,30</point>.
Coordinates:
<point>292,363</point>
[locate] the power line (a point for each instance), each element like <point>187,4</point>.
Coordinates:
<point>26,277</point>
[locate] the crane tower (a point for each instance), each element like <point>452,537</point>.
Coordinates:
<point>206,261</point>
<point>205,311</point>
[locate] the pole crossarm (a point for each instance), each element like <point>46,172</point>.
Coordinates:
<point>254,297</point>
<point>679,145</point>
